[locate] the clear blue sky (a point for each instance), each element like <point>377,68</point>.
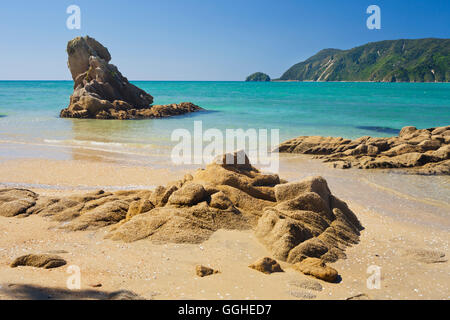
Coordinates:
<point>202,39</point>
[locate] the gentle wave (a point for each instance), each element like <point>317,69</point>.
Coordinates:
<point>124,149</point>
<point>99,143</point>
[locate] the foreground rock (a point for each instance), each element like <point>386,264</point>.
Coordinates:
<point>425,151</point>
<point>294,220</point>
<point>307,221</point>
<point>318,269</point>
<point>203,271</point>
<point>266,265</point>
<point>45,261</point>
<point>14,202</point>
<point>102,92</point>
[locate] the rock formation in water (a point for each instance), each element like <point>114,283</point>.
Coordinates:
<point>425,151</point>
<point>102,92</point>
<point>294,220</point>
<point>258,77</point>
<point>203,271</point>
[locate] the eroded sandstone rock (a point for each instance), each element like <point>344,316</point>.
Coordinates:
<point>318,269</point>
<point>203,271</point>
<point>102,92</point>
<point>425,151</point>
<point>308,222</point>
<point>295,220</point>
<point>46,261</point>
<point>15,202</point>
<point>266,265</point>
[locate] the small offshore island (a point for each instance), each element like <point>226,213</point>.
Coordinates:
<point>102,92</point>
<point>258,77</point>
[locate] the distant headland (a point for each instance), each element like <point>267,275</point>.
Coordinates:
<point>258,76</point>
<point>405,60</point>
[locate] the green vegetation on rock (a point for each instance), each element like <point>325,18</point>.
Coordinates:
<point>258,76</point>
<point>419,60</point>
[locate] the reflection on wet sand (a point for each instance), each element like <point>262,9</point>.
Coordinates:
<point>413,198</point>
<point>111,141</point>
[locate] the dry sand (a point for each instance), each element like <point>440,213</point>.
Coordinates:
<point>167,271</point>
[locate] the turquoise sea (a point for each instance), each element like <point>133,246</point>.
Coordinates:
<point>29,113</point>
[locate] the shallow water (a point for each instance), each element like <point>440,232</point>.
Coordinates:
<point>416,199</point>
<point>30,112</point>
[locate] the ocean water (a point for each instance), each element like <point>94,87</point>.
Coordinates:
<point>30,126</point>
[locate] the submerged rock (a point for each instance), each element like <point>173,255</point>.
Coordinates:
<point>304,295</point>
<point>426,256</point>
<point>425,151</point>
<point>46,261</point>
<point>102,92</point>
<point>307,284</point>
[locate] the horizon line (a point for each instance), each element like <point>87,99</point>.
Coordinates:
<point>67,80</point>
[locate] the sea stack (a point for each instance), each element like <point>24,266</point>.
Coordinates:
<point>102,92</point>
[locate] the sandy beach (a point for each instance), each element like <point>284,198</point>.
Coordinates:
<point>396,238</point>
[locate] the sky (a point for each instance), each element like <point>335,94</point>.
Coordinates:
<point>202,39</point>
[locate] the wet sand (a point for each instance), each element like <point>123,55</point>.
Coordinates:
<point>401,214</point>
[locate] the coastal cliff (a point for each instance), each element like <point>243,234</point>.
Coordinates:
<point>418,60</point>
<point>102,92</point>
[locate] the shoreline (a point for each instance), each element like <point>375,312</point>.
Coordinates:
<point>355,185</point>
<point>166,271</point>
